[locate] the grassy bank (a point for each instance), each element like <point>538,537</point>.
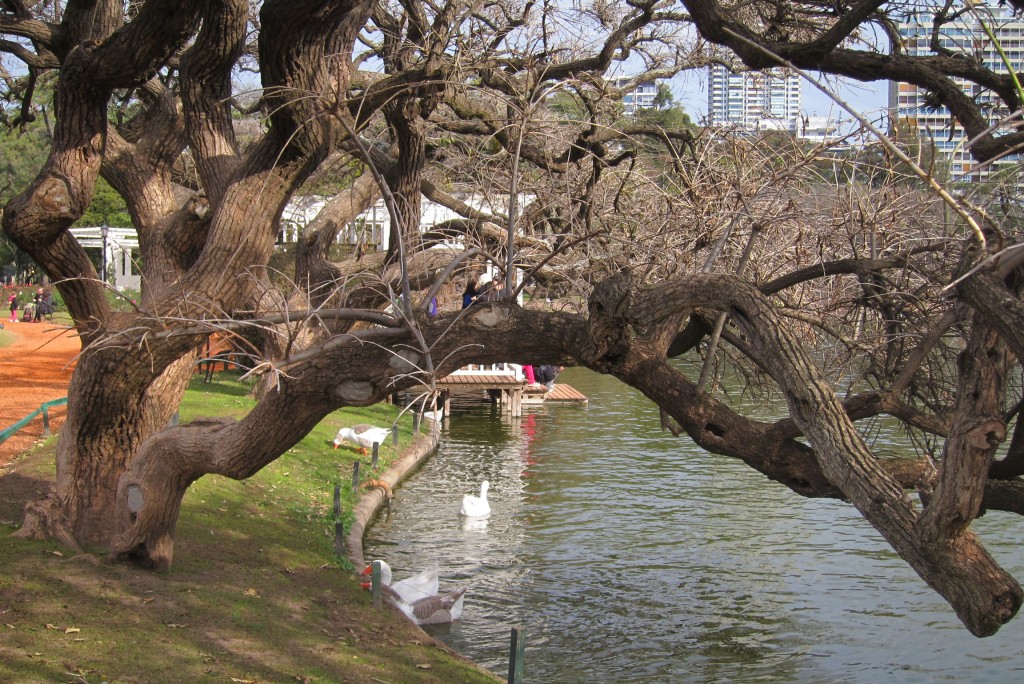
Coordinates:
<point>255,593</point>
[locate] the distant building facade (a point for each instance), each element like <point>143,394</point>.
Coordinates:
<point>119,253</point>
<point>372,227</point>
<point>637,96</point>
<point>818,129</point>
<point>966,36</point>
<point>754,101</point>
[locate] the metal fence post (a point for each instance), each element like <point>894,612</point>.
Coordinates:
<point>516,654</point>
<point>375,584</point>
<point>339,538</point>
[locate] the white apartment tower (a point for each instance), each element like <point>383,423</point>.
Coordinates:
<point>966,36</point>
<point>754,100</point>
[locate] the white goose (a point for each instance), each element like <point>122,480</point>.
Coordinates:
<point>430,610</point>
<point>363,435</point>
<point>476,506</point>
<point>411,589</point>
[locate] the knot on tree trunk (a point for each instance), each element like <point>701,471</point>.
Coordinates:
<point>55,197</point>
<point>609,321</point>
<point>987,434</point>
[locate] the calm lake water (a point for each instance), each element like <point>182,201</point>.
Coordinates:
<point>628,555</point>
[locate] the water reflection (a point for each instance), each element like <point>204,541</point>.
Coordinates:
<point>632,556</point>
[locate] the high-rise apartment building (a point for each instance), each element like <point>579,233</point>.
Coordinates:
<point>753,101</point>
<point>966,36</point>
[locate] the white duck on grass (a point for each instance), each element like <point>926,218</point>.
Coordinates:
<point>411,589</point>
<point>363,435</point>
<point>476,506</point>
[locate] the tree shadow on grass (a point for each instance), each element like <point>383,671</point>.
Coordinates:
<point>254,594</point>
<point>16,490</point>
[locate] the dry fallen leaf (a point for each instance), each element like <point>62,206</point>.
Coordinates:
<point>49,626</point>
<point>423,666</point>
<point>251,592</point>
<point>244,681</point>
<point>55,553</point>
<point>175,625</point>
<point>72,630</point>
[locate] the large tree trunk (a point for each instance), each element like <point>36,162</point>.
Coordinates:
<point>107,421</point>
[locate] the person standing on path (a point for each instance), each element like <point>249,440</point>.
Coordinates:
<point>14,308</point>
<point>38,301</point>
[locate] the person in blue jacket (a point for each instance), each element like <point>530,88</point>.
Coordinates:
<point>470,294</point>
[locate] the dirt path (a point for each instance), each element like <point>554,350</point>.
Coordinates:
<point>36,368</point>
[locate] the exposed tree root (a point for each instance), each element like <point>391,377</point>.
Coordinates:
<point>45,520</point>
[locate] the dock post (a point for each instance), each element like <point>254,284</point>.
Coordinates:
<point>516,655</point>
<point>517,402</point>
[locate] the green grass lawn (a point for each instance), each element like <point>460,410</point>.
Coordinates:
<point>255,594</point>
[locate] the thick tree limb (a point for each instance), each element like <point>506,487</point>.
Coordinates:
<point>983,595</point>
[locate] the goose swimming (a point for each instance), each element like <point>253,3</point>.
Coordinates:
<point>430,610</point>
<point>476,506</point>
<point>411,589</point>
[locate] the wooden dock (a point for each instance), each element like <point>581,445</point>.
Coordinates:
<point>513,392</point>
<point>559,394</point>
